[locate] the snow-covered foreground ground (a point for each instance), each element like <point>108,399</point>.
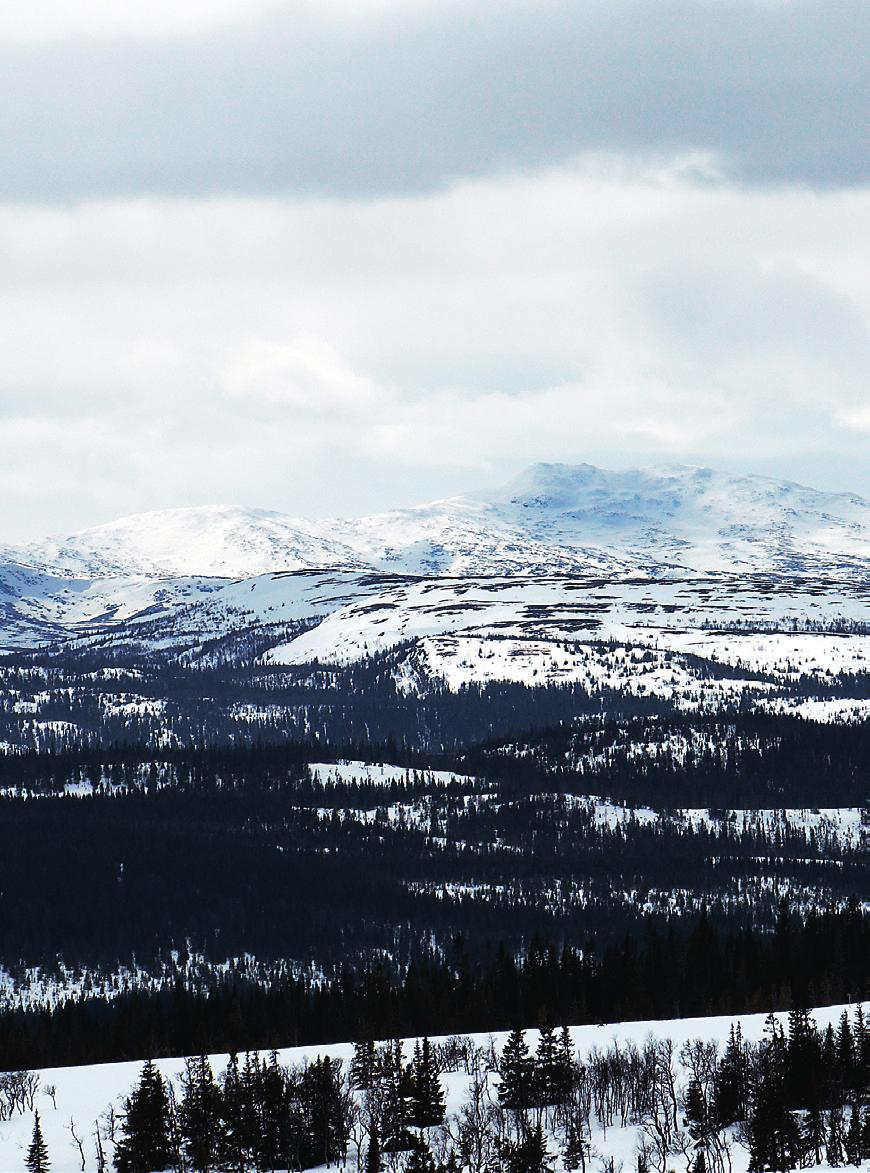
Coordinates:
<point>83,1094</point>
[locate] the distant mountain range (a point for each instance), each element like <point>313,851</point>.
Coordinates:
<point>553,519</point>
<point>562,555</point>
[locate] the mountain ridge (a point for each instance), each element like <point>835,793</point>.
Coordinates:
<point>552,518</point>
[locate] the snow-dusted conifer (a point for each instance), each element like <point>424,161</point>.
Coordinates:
<point>36,1160</point>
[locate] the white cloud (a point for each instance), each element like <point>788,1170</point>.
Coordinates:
<point>857,420</point>
<point>361,98</point>
<point>341,356</point>
<point>304,374</point>
<point>23,22</point>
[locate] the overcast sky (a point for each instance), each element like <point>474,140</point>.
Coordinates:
<point>339,256</point>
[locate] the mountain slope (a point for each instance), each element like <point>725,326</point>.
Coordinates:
<point>697,517</point>
<point>209,540</point>
<point>555,518</point>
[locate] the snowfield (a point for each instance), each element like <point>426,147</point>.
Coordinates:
<point>366,774</point>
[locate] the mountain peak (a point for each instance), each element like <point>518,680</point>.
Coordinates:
<point>552,518</point>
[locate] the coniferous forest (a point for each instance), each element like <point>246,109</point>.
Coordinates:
<point>248,861</point>
<point>223,897</point>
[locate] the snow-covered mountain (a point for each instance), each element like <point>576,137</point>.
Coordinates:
<point>698,518</point>
<point>555,518</point>
<point>538,581</point>
<point>214,540</point>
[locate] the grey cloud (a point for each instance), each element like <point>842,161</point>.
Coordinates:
<point>415,99</point>
<point>716,312</point>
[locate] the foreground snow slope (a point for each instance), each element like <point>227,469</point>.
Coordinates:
<point>84,1093</point>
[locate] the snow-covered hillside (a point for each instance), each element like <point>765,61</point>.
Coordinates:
<point>554,518</point>
<point>533,583</point>
<point>558,609</point>
<point>698,640</point>
<point>82,1096</point>
<point>695,517</point>
<point>210,540</point>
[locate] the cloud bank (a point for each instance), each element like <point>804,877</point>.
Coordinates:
<point>334,258</point>
<point>298,99</point>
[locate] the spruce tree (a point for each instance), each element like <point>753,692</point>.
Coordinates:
<point>201,1115</point>
<point>813,1134</point>
<point>846,1053</point>
<point>364,1065</point>
<point>853,1136</point>
<point>834,1141</point>
<point>548,1069</point>
<point>36,1160</point>
<point>238,1094</point>
<point>577,1147</point>
<point>394,1137</point>
<point>566,1066</point>
<point>427,1097</point>
<point>420,1159</point>
<point>696,1112</point>
<point>530,1154</point>
<point>861,1035</point>
<point>804,1060</point>
<point>865,1134</point>
<point>515,1073</point>
<point>272,1119</point>
<point>732,1080</point>
<point>322,1111</point>
<point>773,1130</point>
<point>830,1088</point>
<point>144,1142</point>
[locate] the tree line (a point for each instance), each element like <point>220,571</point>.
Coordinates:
<point>796,1098</point>
<point>820,959</point>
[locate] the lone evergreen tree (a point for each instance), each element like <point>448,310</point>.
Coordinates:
<point>36,1160</point>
